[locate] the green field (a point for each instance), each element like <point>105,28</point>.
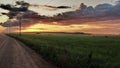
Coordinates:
<point>75,51</point>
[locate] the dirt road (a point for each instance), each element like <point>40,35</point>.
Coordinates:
<point>14,54</point>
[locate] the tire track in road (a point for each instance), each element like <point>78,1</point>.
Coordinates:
<point>6,55</point>
<point>14,54</point>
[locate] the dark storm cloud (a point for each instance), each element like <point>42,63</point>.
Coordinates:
<point>49,7</point>
<point>23,6</point>
<point>26,16</point>
<point>100,10</point>
<point>58,7</point>
<point>20,13</point>
<point>86,13</point>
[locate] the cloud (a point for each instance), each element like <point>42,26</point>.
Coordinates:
<point>81,15</point>
<point>86,13</point>
<point>58,7</point>
<point>23,6</point>
<point>20,12</point>
<point>49,7</point>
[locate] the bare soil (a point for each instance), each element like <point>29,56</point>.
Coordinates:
<point>14,54</point>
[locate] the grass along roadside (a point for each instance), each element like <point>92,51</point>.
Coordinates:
<point>75,51</point>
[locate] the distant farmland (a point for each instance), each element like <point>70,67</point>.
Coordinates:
<point>74,50</point>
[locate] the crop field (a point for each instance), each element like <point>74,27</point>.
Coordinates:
<point>74,50</point>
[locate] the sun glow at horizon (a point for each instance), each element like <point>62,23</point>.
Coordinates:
<point>57,28</point>
<point>92,28</point>
<point>1,28</point>
<point>100,27</point>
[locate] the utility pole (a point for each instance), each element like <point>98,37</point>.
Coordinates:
<point>20,22</point>
<point>20,25</point>
<point>9,28</point>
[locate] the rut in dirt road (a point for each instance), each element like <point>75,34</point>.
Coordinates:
<point>14,54</point>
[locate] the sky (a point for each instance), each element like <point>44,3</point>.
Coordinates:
<point>95,27</point>
<point>62,2</point>
<point>73,3</point>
